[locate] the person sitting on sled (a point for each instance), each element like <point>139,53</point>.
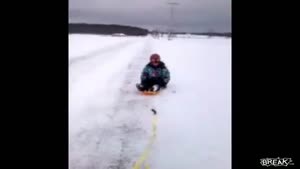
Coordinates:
<point>155,75</point>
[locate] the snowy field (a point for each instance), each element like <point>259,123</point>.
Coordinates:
<point>110,123</point>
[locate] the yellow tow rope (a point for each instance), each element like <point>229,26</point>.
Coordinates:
<point>141,160</point>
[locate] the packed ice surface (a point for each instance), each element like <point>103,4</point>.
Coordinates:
<point>110,122</point>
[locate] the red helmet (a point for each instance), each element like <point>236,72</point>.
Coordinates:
<point>155,57</point>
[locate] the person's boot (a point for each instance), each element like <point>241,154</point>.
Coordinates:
<point>140,87</point>
<point>155,88</point>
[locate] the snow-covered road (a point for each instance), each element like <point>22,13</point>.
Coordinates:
<point>110,122</point>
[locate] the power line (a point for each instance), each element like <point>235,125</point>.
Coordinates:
<point>172,16</point>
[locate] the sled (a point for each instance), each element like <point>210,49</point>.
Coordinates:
<point>150,92</point>
<point>147,92</point>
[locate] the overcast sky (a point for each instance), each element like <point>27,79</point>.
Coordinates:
<point>190,15</point>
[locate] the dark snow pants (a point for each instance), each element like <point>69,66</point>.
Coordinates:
<point>148,83</point>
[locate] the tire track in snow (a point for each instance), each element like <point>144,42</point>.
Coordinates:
<point>85,144</point>
<point>129,130</point>
<point>99,51</point>
<point>125,129</point>
<point>120,134</point>
<point>80,68</point>
<point>130,101</point>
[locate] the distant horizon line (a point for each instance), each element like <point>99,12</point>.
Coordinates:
<point>141,27</point>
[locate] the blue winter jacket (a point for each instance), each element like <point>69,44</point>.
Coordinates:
<point>161,71</point>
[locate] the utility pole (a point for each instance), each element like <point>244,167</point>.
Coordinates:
<point>171,24</point>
